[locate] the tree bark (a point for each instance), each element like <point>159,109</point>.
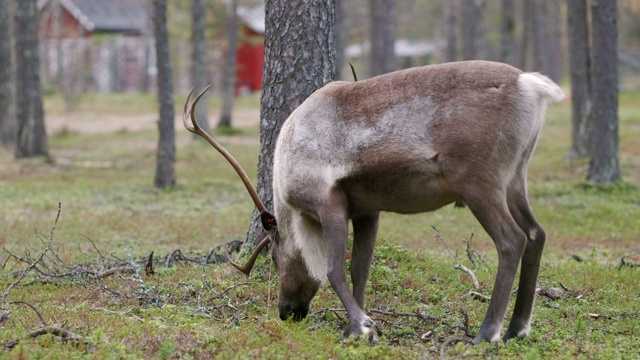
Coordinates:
<point>604,166</point>
<point>507,32</point>
<point>299,58</point>
<point>527,33</point>
<point>383,36</point>
<point>450,14</point>
<point>341,37</point>
<point>199,69</point>
<point>579,64</point>
<point>7,109</point>
<point>31,134</point>
<point>166,153</point>
<point>545,27</point>
<point>228,93</point>
<point>554,21</point>
<point>471,13</point>
<point>540,44</point>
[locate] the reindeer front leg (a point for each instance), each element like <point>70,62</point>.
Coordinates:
<point>334,219</point>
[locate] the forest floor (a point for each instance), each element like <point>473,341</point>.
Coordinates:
<point>91,294</point>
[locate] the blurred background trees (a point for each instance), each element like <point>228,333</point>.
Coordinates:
<point>580,68</point>
<point>382,25</point>
<point>229,73</point>
<point>7,88</point>
<point>114,51</point>
<point>199,59</point>
<point>604,165</point>
<point>31,138</point>
<point>166,153</point>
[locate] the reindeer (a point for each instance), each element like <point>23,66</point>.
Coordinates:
<point>409,141</point>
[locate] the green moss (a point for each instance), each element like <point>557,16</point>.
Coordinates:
<point>105,185</point>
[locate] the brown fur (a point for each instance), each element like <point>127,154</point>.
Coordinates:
<point>409,141</point>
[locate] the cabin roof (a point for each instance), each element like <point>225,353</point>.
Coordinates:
<point>253,18</point>
<point>106,16</point>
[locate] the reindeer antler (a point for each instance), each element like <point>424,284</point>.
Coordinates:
<point>246,269</point>
<point>267,219</point>
<point>189,108</point>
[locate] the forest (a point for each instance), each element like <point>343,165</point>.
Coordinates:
<point>118,225</point>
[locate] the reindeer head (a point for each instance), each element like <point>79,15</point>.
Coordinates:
<point>297,285</point>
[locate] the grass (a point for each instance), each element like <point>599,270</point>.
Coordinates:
<point>104,183</point>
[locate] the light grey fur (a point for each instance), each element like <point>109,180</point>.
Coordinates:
<point>410,141</point>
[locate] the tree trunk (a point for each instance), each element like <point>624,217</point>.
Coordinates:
<point>507,32</point>
<point>604,167</point>
<point>579,64</point>
<point>199,68</point>
<point>554,37</point>
<point>7,109</point>
<point>166,153</point>
<point>547,51</point>
<point>527,33</point>
<point>56,14</point>
<point>299,58</point>
<point>31,135</point>
<point>383,36</point>
<point>341,38</point>
<point>450,15</point>
<point>540,44</point>
<point>471,12</point>
<point>228,93</point>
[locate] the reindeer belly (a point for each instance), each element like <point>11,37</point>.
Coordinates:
<point>400,190</point>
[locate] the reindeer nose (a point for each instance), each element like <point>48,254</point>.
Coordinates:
<point>297,312</point>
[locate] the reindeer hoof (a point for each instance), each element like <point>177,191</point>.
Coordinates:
<point>480,338</point>
<point>516,334</point>
<point>364,329</point>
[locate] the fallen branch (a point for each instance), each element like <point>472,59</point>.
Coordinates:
<point>626,263</point>
<point>112,271</point>
<point>453,341</point>
<point>3,302</point>
<point>231,288</point>
<point>44,323</point>
<point>148,269</point>
<point>214,257</point>
<point>335,311</point>
<point>111,312</point>
<point>85,270</point>
<point>64,335</point>
<point>473,277</point>
<point>552,293</point>
<point>476,295</point>
<point>465,324</point>
<point>440,238</point>
<point>417,314</point>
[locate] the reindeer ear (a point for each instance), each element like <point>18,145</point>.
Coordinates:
<point>268,220</point>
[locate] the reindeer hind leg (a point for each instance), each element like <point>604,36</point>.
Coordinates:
<point>519,207</point>
<point>494,216</point>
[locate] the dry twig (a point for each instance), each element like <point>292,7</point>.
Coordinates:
<point>440,238</point>
<point>44,323</point>
<point>452,341</point>
<point>64,335</point>
<point>3,302</point>
<point>473,277</point>
<point>417,314</point>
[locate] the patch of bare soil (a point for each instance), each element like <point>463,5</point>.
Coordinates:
<point>92,124</point>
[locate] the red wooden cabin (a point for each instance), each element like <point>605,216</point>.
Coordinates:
<point>250,53</point>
